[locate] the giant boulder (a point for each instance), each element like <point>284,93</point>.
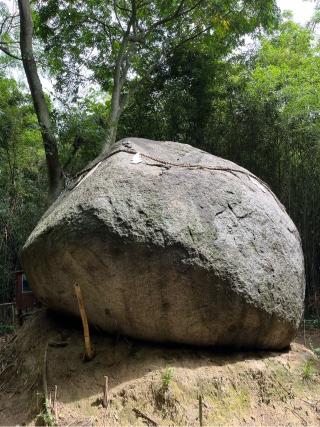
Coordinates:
<point>171,244</point>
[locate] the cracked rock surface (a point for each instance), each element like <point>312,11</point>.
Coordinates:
<point>202,253</point>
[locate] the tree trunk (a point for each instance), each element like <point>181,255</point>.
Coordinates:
<point>117,106</point>
<point>113,121</point>
<point>55,174</point>
<point>119,99</point>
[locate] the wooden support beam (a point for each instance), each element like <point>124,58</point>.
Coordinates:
<point>88,350</point>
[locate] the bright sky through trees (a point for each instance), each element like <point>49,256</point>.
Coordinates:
<point>302,9</point>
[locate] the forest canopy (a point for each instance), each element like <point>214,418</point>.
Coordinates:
<point>180,71</point>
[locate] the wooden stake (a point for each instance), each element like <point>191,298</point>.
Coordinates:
<point>200,410</point>
<point>105,393</point>
<point>47,397</point>
<point>13,316</point>
<point>38,407</point>
<point>44,375</point>
<point>55,403</point>
<point>88,351</point>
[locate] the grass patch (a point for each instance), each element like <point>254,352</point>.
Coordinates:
<point>308,371</point>
<point>6,329</point>
<point>166,378</point>
<point>45,418</point>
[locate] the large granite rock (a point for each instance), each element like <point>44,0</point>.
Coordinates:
<point>173,244</point>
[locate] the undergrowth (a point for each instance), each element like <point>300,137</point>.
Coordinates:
<point>45,418</point>
<point>166,377</point>
<point>308,371</point>
<point>6,329</point>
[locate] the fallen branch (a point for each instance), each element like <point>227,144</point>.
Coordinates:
<point>314,405</point>
<point>284,388</point>
<point>146,417</point>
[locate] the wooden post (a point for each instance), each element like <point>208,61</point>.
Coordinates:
<point>200,410</point>
<point>55,403</point>
<point>105,393</point>
<point>88,351</point>
<point>13,316</point>
<point>38,406</point>
<point>44,375</point>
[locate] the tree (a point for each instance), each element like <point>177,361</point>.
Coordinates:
<point>176,103</point>
<point>286,74</point>
<point>55,173</point>
<point>121,43</point>
<point>261,111</point>
<point>21,178</point>
<point>10,42</point>
<point>118,44</point>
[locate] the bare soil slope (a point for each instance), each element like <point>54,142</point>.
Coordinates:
<point>152,384</point>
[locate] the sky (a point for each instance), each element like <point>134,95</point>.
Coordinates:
<point>302,10</point>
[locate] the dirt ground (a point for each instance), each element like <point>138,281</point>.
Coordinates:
<point>152,384</point>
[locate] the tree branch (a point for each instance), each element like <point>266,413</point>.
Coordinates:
<point>191,37</point>
<point>7,52</point>
<point>124,9</point>
<point>116,14</point>
<point>122,53</point>
<point>107,29</point>
<point>166,53</point>
<point>3,24</point>
<point>178,12</point>
<point>174,15</point>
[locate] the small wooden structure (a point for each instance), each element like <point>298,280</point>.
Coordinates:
<point>25,300</point>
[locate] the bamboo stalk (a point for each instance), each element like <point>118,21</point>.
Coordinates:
<point>88,350</point>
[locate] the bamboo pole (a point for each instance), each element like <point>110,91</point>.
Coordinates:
<point>88,350</point>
